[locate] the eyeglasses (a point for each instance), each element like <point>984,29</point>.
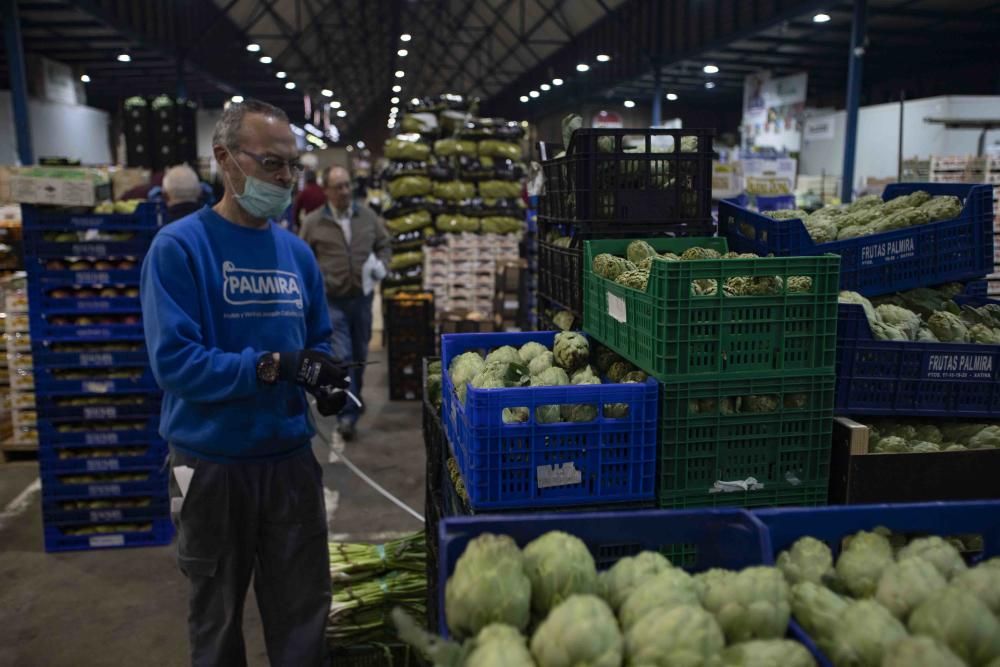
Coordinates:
<point>273,165</point>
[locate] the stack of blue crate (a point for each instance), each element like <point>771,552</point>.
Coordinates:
<point>102,461</point>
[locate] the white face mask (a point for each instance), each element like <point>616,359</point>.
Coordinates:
<point>262,199</point>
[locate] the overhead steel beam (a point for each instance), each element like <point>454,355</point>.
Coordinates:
<point>855,64</point>
<point>18,80</point>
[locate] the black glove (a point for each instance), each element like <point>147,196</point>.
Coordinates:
<point>330,403</point>
<point>312,370</point>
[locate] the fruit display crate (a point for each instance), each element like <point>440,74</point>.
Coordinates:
<point>911,378</point>
<point>93,380</point>
<point>725,538</point>
<point>92,328</point>
<point>147,215</point>
<point>86,299</point>
<point>376,655</point>
<point>613,178</point>
<point>747,442</point>
<point>832,524</point>
<point>125,508</point>
<point>154,532</point>
<point>90,355</point>
<point>152,481</point>
<point>131,431</point>
<point>85,273</point>
<point>107,243</point>
<point>435,440</point>
<point>100,408</point>
<point>668,331</point>
<point>86,458</point>
<point>930,254</point>
<point>534,464</point>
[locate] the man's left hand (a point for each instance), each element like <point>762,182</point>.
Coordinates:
<point>330,403</point>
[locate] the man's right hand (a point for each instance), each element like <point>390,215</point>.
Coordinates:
<point>312,370</point>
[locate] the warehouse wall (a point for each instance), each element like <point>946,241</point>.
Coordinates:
<point>878,131</point>
<point>72,131</point>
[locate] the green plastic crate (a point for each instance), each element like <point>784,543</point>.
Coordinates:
<point>785,450</point>
<point>669,333</point>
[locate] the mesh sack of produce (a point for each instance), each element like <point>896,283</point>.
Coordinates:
<point>409,186</point>
<point>454,190</point>
<point>499,149</point>
<point>400,149</point>
<point>453,147</point>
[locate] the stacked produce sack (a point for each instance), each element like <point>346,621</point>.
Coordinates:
<point>409,215</point>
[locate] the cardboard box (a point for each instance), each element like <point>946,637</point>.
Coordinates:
<point>59,186</point>
<point>457,321</point>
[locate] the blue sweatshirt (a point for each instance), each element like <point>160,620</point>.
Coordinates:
<point>215,297</point>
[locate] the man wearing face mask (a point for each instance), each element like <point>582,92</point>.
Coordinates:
<point>237,330</point>
<point>352,246</point>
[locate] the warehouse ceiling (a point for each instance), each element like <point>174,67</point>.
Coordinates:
<point>503,51</point>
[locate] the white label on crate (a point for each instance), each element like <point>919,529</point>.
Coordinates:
<point>98,387</point>
<point>98,516</point>
<point>100,278</point>
<point>102,438</point>
<point>616,307</point>
<point>558,475</point>
<point>107,541</point>
<point>103,465</point>
<point>888,251</point>
<point>104,412</point>
<point>104,490</point>
<point>959,366</point>
<point>89,250</point>
<point>748,484</point>
<point>95,359</point>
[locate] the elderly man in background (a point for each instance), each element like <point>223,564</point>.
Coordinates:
<point>351,245</point>
<point>181,192</point>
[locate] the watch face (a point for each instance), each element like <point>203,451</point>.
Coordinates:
<point>267,370</point>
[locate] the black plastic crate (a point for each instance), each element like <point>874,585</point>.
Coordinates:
<point>409,320</point>
<point>375,655</point>
<point>615,178</point>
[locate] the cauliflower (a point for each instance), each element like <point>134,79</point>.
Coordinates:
<point>928,433</point>
<point>948,328</point>
<point>751,605</point>
<point>488,586</point>
<point>687,636</point>
<point>670,588</point>
<point>628,573</point>
<point>861,563</point>
<point>937,552</point>
<point>906,584</point>
<point>639,250</point>
<point>807,560</point>
<point>861,634</point>
<point>766,653</point>
<point>550,377</point>
<point>987,438</point>
<point>571,350</point>
<point>984,583</point>
<point>921,447</point>
<point>558,565</point>
<point>540,362</point>
<point>815,607</point>
<point>580,631</point>
<point>891,444</point>
<point>957,618</point>
<point>960,431</point>
<point>920,652</point>
<point>531,350</point>
<point>636,279</point>
<point>499,645</point>
<point>905,320</point>
<point>700,253</point>
<point>584,376</point>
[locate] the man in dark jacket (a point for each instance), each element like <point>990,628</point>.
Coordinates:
<point>351,245</point>
<point>311,198</point>
<point>181,191</point>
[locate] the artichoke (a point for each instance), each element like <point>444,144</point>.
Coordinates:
<point>668,589</point>
<point>540,362</point>
<point>987,438</point>
<point>943,208</point>
<point>488,586</point>
<point>709,579</point>
<point>938,552</point>
<point>861,563</point>
<point>928,433</point>
<point>815,607</point>
<point>635,376</point>
<point>619,369</point>
<point>506,354</point>
<point>906,584</point>
<point>684,636</point>
<point>961,621</point>
<point>765,653</point>
<point>636,279</point>
<point>639,250</point>
<point>980,333</point>
<point>558,565</point>
<point>564,320</point>
<point>752,605</point>
<point>571,350</point>
<point>610,266</point>
<point>585,376</point>
<point>531,350</point>
<point>984,583</point>
<point>550,377</point>
<point>861,635</point>
<point>628,573</point>
<point>579,632</point>
<point>807,560</point>
<point>499,645</point>
<point>700,253</point>
<point>948,328</point>
<point>891,444</point>
<point>920,652</point>
<point>799,284</point>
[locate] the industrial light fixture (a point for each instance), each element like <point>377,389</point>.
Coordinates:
<point>710,85</point>
<point>267,60</point>
<point>545,87</point>
<point>350,148</point>
<point>672,97</point>
<point>603,57</point>
<point>525,98</point>
<point>533,93</point>
<point>124,58</point>
<point>361,144</point>
<point>253,48</point>
<point>405,37</point>
<point>415,101</point>
<point>341,114</point>
<point>335,104</point>
<point>582,67</point>
<point>557,82</point>
<point>280,75</point>
<point>629,104</point>
<point>821,18</point>
<point>397,89</point>
<point>326,92</point>
<point>236,99</point>
<point>402,53</point>
<point>400,74</point>
<point>710,69</point>
<point>290,85</point>
<point>394,110</point>
<point>394,100</point>
<point>85,78</point>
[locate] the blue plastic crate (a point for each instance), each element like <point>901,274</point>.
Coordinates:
<point>161,532</point>
<point>115,406</point>
<point>726,538</point>
<point>49,432</point>
<point>910,378</point>
<point>528,465</point>
<point>43,355</point>
<point>104,485</point>
<point>43,330</point>
<point>832,524</point>
<point>42,246</point>
<point>56,511</point>
<point>46,278</point>
<point>47,382</point>
<point>99,458</point>
<point>931,254</point>
<point>40,298</point>
<point>147,215</point>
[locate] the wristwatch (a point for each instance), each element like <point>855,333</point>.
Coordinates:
<point>267,368</point>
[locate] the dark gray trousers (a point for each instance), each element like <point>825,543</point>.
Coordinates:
<point>267,520</point>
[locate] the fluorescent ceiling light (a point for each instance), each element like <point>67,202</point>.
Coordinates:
<point>267,60</point>
<point>533,93</point>
<point>280,75</point>
<point>525,98</point>
<point>629,104</point>
<point>405,37</point>
<point>326,92</point>
<point>253,48</point>
<point>710,69</point>
<point>545,87</point>
<point>394,100</point>
<point>582,67</point>
<point>557,82</point>
<point>710,84</point>
<point>341,114</point>
<point>236,99</point>
<point>821,18</point>
<point>335,104</point>
<point>402,53</point>
<point>672,97</point>
<point>124,58</point>
<point>85,78</point>
<point>397,89</point>
<point>400,74</point>
<point>290,85</point>
<point>603,57</point>
<point>415,101</point>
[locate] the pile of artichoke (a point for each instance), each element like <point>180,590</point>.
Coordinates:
<point>893,436</point>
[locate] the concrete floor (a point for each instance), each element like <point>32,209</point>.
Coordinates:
<point>129,606</point>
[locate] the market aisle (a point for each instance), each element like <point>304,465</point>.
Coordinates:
<point>129,606</point>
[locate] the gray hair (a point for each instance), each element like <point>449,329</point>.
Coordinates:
<point>181,184</point>
<point>228,128</point>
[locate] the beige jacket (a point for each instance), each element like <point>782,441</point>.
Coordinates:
<point>342,266</point>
